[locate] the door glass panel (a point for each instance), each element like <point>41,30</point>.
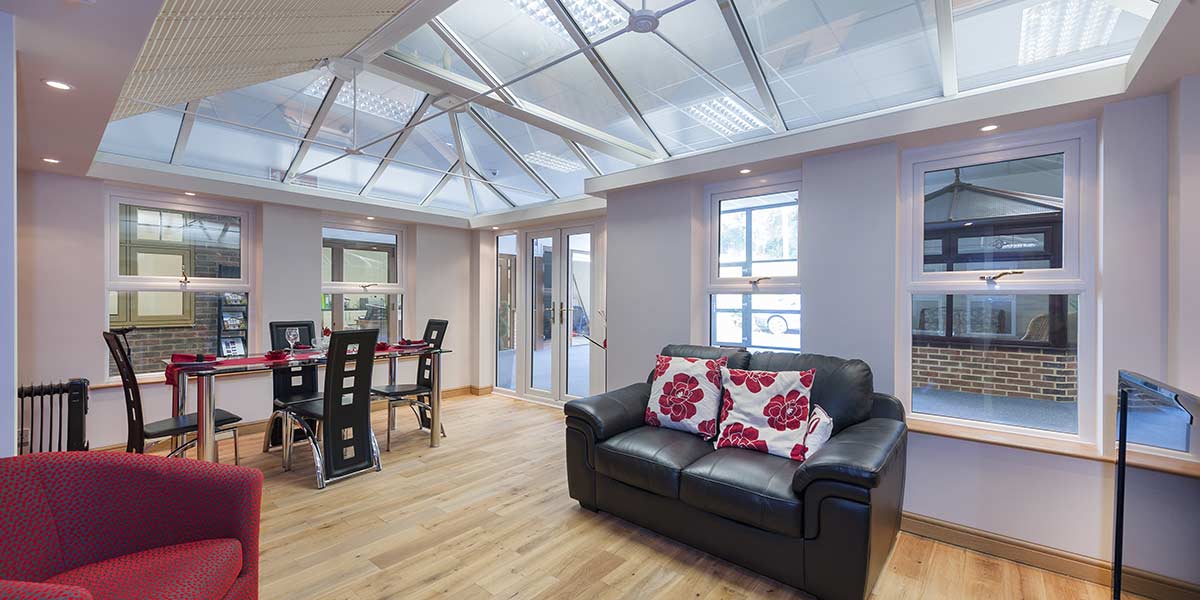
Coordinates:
<point>541,304</point>
<point>579,303</point>
<point>506,311</point>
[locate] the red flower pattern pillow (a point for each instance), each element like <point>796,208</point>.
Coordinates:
<point>771,412</point>
<point>686,394</point>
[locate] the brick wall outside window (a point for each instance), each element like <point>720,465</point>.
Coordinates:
<point>1013,371</point>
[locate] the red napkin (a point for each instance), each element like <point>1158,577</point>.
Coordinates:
<point>173,368</point>
<point>276,355</point>
<point>303,346</point>
<point>381,346</point>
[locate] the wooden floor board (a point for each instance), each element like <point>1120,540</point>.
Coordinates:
<point>487,516</point>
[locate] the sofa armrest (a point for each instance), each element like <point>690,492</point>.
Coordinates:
<point>612,412</point>
<point>29,590</point>
<point>887,406</point>
<point>857,455</point>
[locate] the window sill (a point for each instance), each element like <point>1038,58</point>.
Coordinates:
<point>1144,460</point>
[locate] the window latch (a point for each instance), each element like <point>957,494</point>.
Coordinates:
<point>754,282</point>
<point>185,279</point>
<point>993,278</point>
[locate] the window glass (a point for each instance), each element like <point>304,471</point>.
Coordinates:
<point>169,322</point>
<point>506,311</point>
<point>361,257</point>
<point>366,311</point>
<point>1001,358</point>
<point>358,256</point>
<point>758,236</point>
<point>756,321</point>
<point>1001,215</point>
<point>168,243</point>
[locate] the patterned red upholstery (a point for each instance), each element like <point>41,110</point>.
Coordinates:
<point>61,511</point>
<point>203,570</point>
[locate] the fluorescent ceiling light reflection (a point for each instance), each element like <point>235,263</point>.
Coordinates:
<point>550,161</point>
<point>368,101</point>
<point>724,116</point>
<point>1061,27</point>
<point>594,17</point>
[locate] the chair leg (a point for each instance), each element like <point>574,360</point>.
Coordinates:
<point>179,452</point>
<point>375,451</point>
<point>287,430</point>
<point>237,459</point>
<point>318,459</point>
<point>391,423</point>
<point>271,424</point>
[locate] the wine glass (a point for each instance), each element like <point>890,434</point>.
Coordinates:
<point>292,335</point>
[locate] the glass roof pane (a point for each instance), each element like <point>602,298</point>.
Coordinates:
<point>453,196</point>
<point>1006,40</point>
<point>545,152</point>
<point>431,145</point>
<point>683,107</point>
<point>425,46</point>
<point>384,106</point>
<point>237,150</point>
<point>286,105</point>
<point>487,157</point>
<point>487,199</point>
<point>148,135</point>
<point>346,174</point>
<point>607,164</point>
<point>829,59</point>
<point>514,36</point>
<point>699,30</point>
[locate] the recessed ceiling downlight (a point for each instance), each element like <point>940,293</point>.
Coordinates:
<point>53,161</point>
<point>58,85</point>
<point>744,171</point>
<point>987,128</point>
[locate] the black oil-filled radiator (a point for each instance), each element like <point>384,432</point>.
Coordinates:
<point>52,417</point>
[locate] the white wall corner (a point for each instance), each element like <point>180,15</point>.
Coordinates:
<point>8,235</point>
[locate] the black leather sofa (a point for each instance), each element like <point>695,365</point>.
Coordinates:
<point>824,526</point>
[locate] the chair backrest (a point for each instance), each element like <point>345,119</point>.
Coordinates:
<point>278,330</point>
<point>296,380</point>
<point>348,367</point>
<point>435,332</point>
<point>135,441</point>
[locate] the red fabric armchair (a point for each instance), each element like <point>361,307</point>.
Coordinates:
<point>100,525</point>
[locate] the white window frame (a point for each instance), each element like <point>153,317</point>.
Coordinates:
<point>1077,141</point>
<point>394,291</point>
<point>115,197</point>
<point>714,194</point>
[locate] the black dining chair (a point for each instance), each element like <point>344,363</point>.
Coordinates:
<point>291,385</point>
<point>415,395</point>
<point>344,443</point>
<point>155,431</point>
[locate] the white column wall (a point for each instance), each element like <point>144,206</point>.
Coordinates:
<point>289,278</point>
<point>1183,320</point>
<point>8,236</point>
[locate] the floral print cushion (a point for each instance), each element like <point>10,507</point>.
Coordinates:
<point>686,394</point>
<point>771,412</point>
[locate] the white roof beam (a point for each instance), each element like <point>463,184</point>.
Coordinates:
<point>422,78</point>
<point>512,152</point>
<point>606,74</point>
<point>456,130</point>
<point>945,33</point>
<point>185,131</point>
<point>583,157</point>
<point>440,184</point>
<point>473,60</point>
<point>494,189</point>
<point>394,150</point>
<point>737,29</point>
<point>335,87</point>
<point>400,26</point>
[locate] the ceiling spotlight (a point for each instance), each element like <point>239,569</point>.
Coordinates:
<point>494,227</point>
<point>968,223</point>
<point>53,161</point>
<point>58,85</point>
<point>987,128</point>
<point>370,218</point>
<point>744,171</point>
<point>189,193</point>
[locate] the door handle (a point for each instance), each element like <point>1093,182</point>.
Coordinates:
<point>562,312</point>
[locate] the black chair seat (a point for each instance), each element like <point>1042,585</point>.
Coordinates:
<point>752,487</point>
<point>401,390</point>
<point>313,409</point>
<point>186,424</point>
<point>650,458</point>
<point>290,399</point>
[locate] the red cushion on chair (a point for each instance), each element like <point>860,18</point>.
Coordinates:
<point>195,570</point>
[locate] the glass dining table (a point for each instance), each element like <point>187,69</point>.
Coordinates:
<point>205,374</point>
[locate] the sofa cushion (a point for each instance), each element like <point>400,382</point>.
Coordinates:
<point>195,570</point>
<point>844,388</point>
<point>737,358</point>
<point>650,458</point>
<point>769,411</point>
<point>686,395</point>
<point>747,486</point>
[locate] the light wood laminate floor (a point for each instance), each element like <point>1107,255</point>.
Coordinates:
<point>487,515</point>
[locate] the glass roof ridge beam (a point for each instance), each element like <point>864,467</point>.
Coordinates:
<point>456,131</point>
<point>494,189</point>
<point>512,152</point>
<point>947,60</point>
<point>583,157</point>
<point>473,60</point>
<point>390,66</point>
<point>741,39</point>
<point>394,150</point>
<point>440,184</point>
<point>606,75</point>
<point>185,131</point>
<point>335,87</point>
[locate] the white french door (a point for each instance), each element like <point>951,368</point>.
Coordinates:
<point>559,359</point>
